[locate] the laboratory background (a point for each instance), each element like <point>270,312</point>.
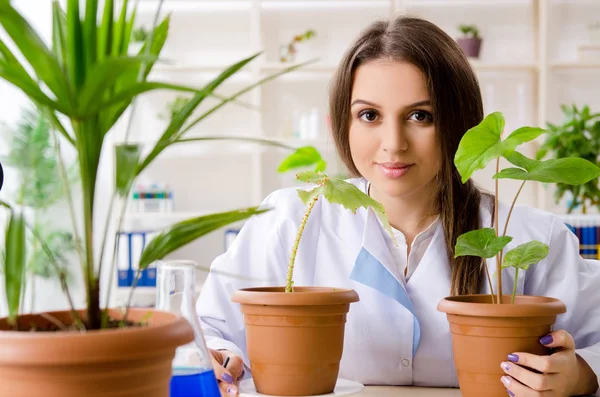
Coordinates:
<point>537,61</point>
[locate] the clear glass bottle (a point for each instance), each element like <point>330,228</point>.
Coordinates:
<point>193,374</point>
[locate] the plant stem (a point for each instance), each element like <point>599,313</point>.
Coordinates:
<point>489,278</point>
<point>512,206</point>
<point>498,262</point>
<point>290,273</point>
<point>515,286</point>
<point>67,187</point>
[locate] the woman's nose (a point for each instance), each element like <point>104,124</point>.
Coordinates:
<point>393,139</point>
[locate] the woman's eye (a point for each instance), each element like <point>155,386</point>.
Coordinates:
<point>421,116</point>
<point>368,116</point>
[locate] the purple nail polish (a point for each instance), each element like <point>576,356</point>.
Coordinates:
<point>506,366</point>
<point>230,391</point>
<point>546,340</point>
<point>511,394</point>
<point>227,378</point>
<point>513,357</point>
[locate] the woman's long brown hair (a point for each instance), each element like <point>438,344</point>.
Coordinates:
<point>457,106</point>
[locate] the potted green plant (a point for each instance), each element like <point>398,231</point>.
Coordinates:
<point>302,358</point>
<point>83,84</point>
<point>577,136</point>
<point>470,42</point>
<point>31,155</point>
<point>475,319</point>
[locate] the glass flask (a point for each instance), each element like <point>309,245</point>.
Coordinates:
<point>193,374</point>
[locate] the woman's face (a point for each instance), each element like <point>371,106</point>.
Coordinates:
<point>392,135</point>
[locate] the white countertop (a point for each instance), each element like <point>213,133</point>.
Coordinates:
<point>398,391</point>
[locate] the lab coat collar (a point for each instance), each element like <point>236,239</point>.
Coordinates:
<point>375,268</point>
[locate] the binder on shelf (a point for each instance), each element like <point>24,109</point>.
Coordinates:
<point>123,260</point>
<point>587,230</point>
<point>130,246</point>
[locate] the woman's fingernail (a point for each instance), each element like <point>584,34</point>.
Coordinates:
<point>227,378</point>
<point>505,381</point>
<point>513,357</point>
<point>511,394</point>
<point>546,340</point>
<point>505,366</point>
<point>231,391</point>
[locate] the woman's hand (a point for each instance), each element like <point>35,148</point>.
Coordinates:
<point>561,374</point>
<point>229,375</point>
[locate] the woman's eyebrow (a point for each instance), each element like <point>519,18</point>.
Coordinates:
<point>425,102</point>
<point>363,102</point>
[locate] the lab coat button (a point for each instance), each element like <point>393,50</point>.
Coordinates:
<point>405,362</point>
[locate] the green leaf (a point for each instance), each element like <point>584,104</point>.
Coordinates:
<point>59,31</point>
<point>173,130</point>
<point>28,86</point>
<point>569,170</point>
<point>105,33</point>
<point>303,157</point>
<point>119,32</point>
<point>479,145</point>
<point>16,260</point>
<point>525,255</point>
<point>128,30</point>
<point>103,76</point>
<point>483,143</point>
<point>89,33</point>
<point>312,177</point>
<point>182,233</point>
<point>338,191</point>
<point>127,159</point>
<point>33,49</point>
<point>306,196</point>
<point>75,51</point>
<point>481,242</point>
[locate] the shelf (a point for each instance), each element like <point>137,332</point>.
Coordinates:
<point>313,5</point>
<point>314,67</point>
<point>194,6</point>
<point>497,66</point>
<point>464,3</point>
<point>576,65</point>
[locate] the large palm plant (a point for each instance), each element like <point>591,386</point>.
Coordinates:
<point>83,84</point>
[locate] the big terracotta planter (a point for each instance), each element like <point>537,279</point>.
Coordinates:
<point>484,334</point>
<point>295,340</point>
<point>132,362</point>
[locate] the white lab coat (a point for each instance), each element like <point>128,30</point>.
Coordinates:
<point>394,334</point>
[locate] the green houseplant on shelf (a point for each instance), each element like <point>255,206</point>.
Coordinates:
<point>318,339</point>
<point>470,41</point>
<point>475,319</point>
<point>577,136</point>
<point>82,85</point>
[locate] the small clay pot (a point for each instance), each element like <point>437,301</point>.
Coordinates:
<point>484,334</point>
<point>470,45</point>
<point>295,340</point>
<point>126,362</point>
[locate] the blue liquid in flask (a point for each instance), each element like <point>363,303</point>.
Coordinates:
<point>193,382</point>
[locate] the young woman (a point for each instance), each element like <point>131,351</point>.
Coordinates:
<point>400,102</point>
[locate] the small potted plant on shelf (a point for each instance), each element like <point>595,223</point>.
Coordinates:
<point>475,319</point>
<point>470,42</point>
<point>577,136</point>
<point>287,52</point>
<point>302,359</point>
<point>82,85</point>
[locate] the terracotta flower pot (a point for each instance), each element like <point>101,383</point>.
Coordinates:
<point>470,45</point>
<point>295,340</point>
<point>484,334</point>
<point>132,362</point>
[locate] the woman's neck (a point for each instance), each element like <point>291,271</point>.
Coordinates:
<point>409,214</point>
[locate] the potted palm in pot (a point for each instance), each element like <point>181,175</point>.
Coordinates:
<point>295,334</point>
<point>475,320</point>
<point>82,85</point>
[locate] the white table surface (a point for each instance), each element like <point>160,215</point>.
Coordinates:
<point>398,391</point>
